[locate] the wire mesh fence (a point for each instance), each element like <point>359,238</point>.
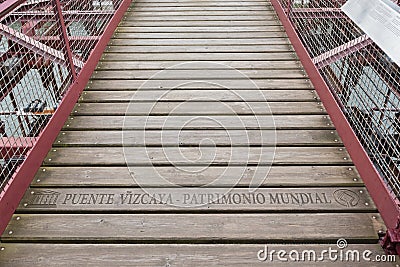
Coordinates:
<point>364,80</point>
<point>43,46</point>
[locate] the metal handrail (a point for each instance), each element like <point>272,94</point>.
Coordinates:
<point>48,51</point>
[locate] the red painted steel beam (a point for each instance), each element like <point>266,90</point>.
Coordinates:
<point>311,13</point>
<point>36,46</point>
<point>69,15</point>
<point>64,35</point>
<point>341,51</point>
<point>10,146</point>
<point>70,38</point>
<point>75,41</point>
<point>15,189</point>
<point>67,4</point>
<point>385,201</point>
<point>33,4</point>
<point>9,5</point>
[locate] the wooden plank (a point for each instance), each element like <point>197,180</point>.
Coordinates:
<point>210,84</point>
<point>175,122</point>
<point>225,6</point>
<point>238,65</point>
<point>215,71</point>
<point>195,138</point>
<point>209,42</point>
<point>182,95</point>
<point>94,255</point>
<point>196,75</point>
<point>194,23</point>
<point>228,9</point>
<point>144,156</point>
<point>208,56</point>
<point>211,107</point>
<point>184,29</point>
<point>201,3</point>
<point>79,200</point>
<point>193,227</point>
<point>265,17</point>
<point>199,35</point>
<point>199,49</point>
<point>199,13</point>
<point>278,176</point>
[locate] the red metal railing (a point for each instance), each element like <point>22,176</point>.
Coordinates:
<point>49,48</point>
<point>360,87</point>
<point>48,51</point>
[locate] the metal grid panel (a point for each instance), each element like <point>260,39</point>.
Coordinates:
<point>364,80</point>
<point>43,46</point>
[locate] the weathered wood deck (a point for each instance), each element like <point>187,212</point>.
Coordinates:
<point>86,208</point>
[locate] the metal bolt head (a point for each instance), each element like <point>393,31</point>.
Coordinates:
<point>2,248</point>
<point>10,232</point>
<point>18,218</point>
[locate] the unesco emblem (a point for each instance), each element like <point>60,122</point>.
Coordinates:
<point>346,198</point>
<point>46,198</point>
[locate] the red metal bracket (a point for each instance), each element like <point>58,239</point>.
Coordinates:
<point>391,240</point>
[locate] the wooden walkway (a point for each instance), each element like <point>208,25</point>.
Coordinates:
<point>201,125</point>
